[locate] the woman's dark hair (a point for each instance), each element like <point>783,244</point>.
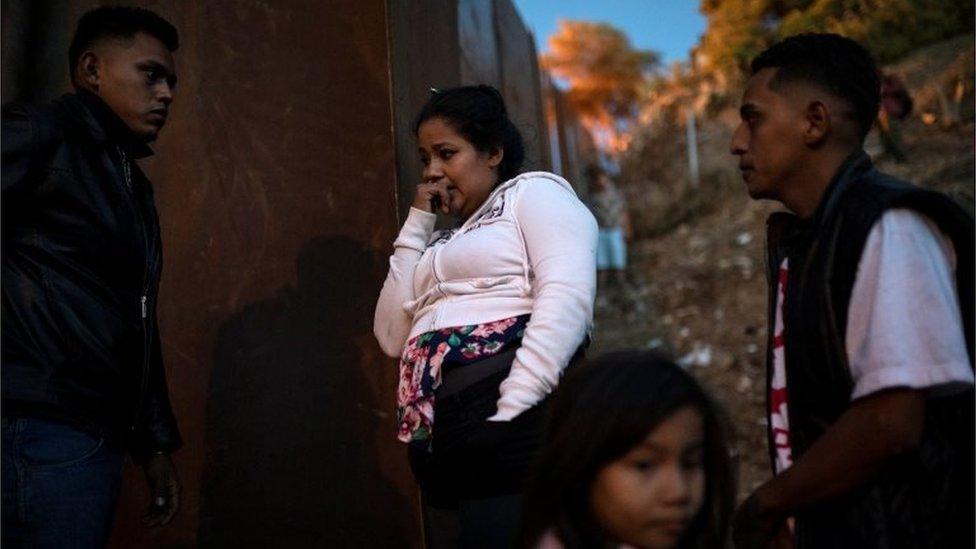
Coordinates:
<point>119,22</point>
<point>601,411</point>
<point>478,113</point>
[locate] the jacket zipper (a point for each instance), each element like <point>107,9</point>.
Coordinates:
<point>489,202</point>
<point>831,330</point>
<point>143,299</point>
<point>457,232</point>
<point>437,279</point>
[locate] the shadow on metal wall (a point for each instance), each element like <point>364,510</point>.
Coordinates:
<point>279,464</point>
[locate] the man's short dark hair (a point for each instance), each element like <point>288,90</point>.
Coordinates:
<point>119,22</point>
<point>839,65</point>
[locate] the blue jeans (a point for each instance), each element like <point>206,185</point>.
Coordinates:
<point>60,485</point>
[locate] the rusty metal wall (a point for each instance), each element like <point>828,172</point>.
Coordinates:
<point>478,44</point>
<point>570,144</point>
<point>424,54</point>
<point>34,63</point>
<point>16,52</point>
<point>275,180</point>
<point>573,143</point>
<point>519,68</point>
<point>279,179</point>
<point>445,43</point>
<point>552,122</point>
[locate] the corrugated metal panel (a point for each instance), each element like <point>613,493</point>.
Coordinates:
<point>520,83</point>
<point>288,155</point>
<point>478,47</point>
<point>424,54</point>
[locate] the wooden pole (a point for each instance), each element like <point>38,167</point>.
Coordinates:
<point>691,134</point>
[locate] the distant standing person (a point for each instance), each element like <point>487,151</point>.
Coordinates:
<point>870,361</point>
<point>484,316</point>
<point>82,370</point>
<point>610,209</point>
<point>896,105</point>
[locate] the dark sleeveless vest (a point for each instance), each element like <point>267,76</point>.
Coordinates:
<point>923,498</point>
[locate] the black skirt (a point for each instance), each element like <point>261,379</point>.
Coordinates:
<point>469,457</point>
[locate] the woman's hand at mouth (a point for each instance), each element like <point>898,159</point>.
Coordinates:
<point>433,197</point>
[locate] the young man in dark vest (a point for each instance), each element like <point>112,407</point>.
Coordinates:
<point>870,370</point>
<point>83,379</point>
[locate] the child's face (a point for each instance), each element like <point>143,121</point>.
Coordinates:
<point>650,495</point>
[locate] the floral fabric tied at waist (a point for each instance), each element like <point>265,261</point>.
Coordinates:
<point>420,367</point>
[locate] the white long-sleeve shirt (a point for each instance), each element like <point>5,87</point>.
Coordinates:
<point>529,249</point>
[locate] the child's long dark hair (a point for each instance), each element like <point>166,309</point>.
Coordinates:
<point>601,411</point>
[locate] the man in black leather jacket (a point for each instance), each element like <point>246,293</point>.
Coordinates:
<point>82,372</point>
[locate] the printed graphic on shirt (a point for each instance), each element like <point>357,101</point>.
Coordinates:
<point>779,420</point>
<point>496,210</point>
<point>441,237</point>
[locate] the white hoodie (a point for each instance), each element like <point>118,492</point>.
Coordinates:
<point>530,248</point>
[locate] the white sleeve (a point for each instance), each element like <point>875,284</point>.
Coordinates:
<point>391,323</point>
<point>560,239</point>
<point>904,327</point>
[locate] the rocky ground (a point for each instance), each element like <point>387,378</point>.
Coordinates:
<point>700,296</point>
<point>699,290</point>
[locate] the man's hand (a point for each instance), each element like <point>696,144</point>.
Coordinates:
<point>753,527</point>
<point>784,537</point>
<point>164,489</point>
<point>873,430</point>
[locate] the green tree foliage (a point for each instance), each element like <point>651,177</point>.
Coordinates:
<point>737,31</point>
<point>889,28</point>
<point>740,29</point>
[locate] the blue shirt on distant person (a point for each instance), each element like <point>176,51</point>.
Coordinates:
<point>610,210</point>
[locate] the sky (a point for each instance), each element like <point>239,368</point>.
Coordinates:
<point>670,27</point>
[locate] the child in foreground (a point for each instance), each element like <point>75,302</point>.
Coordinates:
<point>635,455</point>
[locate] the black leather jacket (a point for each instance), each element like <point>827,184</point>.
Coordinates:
<point>81,265</point>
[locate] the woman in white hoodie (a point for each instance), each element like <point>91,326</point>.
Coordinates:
<point>484,316</point>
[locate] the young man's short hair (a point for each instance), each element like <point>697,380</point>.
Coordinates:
<point>119,22</point>
<point>839,65</point>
